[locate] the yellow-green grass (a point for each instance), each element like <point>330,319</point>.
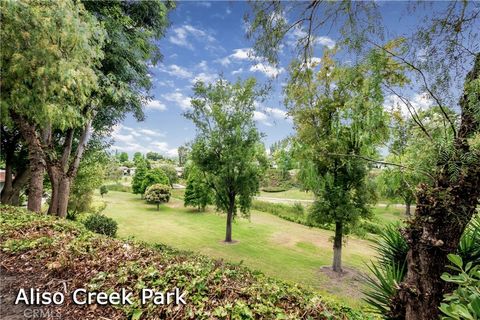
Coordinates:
<point>279,248</point>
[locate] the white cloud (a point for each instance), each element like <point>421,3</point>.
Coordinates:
<point>179,99</point>
<point>234,72</point>
<point>177,71</point>
<point>183,35</point>
<point>165,83</point>
<point>277,113</point>
<point>228,11</point>
<point>156,105</point>
<point>163,147</point>
<point>243,54</point>
<point>224,61</point>
<point>418,102</point>
<point>205,77</point>
<point>203,65</point>
<point>125,138</point>
<point>299,34</point>
<point>153,133</point>
<point>325,41</point>
<point>268,70</point>
<point>261,117</point>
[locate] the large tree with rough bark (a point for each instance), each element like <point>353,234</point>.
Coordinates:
<point>441,59</point>
<point>131,30</point>
<point>49,54</point>
<point>226,147</point>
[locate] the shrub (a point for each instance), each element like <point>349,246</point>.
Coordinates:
<point>197,193</point>
<point>158,193</point>
<point>464,302</point>
<point>154,176</point>
<point>170,172</point>
<point>103,190</point>
<point>101,224</point>
<point>274,189</point>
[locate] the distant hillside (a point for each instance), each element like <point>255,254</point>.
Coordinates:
<point>57,255</point>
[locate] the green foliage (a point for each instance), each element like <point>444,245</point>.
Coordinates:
<point>101,224</point>
<point>123,157</point>
<point>119,187</point>
<point>346,103</point>
<point>103,190</point>
<point>276,180</point>
<point>154,156</point>
<point>138,177</point>
<point>154,176</point>
<point>390,269</point>
<point>469,246</point>
<point>158,193</point>
<point>197,193</point>
<point>50,51</point>
<point>89,177</point>
<point>171,173</point>
<point>464,302</point>
<point>227,146</point>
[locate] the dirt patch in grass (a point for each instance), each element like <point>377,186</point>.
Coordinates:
<point>349,282</point>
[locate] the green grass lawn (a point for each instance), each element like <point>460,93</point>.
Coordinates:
<point>279,248</point>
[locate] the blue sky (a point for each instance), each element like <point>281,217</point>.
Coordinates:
<point>207,39</point>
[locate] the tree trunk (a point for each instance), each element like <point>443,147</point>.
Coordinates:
<point>231,208</point>
<point>11,196</point>
<point>62,173</point>
<point>228,234</point>
<point>35,187</point>
<point>158,206</point>
<point>63,196</point>
<point>53,175</point>
<point>36,162</point>
<point>407,209</point>
<point>337,247</point>
<point>443,211</point>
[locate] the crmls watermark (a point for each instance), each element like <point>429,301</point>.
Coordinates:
<point>38,313</point>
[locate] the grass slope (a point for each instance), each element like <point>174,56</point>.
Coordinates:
<point>279,248</point>
<point>52,255</point>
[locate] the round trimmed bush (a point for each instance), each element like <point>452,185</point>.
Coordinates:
<point>101,224</point>
<point>158,193</point>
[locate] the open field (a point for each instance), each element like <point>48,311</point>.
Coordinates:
<point>279,248</point>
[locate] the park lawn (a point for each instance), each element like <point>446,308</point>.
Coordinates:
<point>293,193</point>
<point>388,215</point>
<point>279,248</point>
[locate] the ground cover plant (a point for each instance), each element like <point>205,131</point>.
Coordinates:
<point>215,290</point>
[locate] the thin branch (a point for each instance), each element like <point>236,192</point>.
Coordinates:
<point>380,162</point>
<point>425,82</point>
<point>415,116</point>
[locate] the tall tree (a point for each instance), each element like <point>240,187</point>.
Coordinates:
<point>48,58</point>
<point>132,29</point>
<point>226,147</point>
<point>448,70</point>
<point>340,120</point>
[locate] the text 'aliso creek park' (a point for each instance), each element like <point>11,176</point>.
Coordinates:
<point>81,296</point>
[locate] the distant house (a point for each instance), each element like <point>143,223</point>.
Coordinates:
<point>126,171</point>
<point>179,171</point>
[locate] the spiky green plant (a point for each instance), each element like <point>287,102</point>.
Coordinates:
<point>390,268</point>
